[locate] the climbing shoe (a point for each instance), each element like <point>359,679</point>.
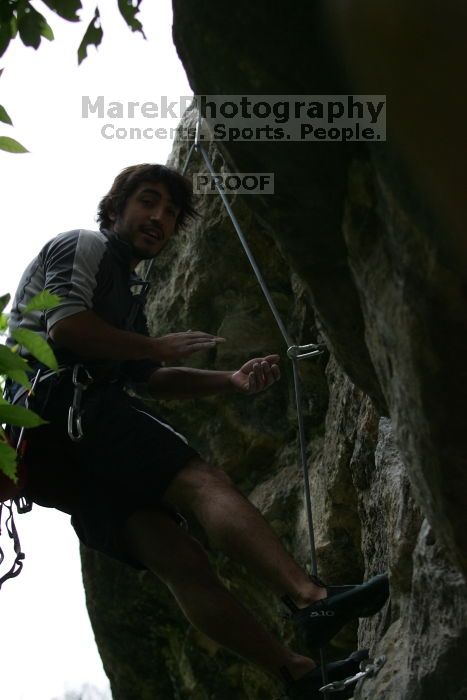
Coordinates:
<point>307,687</point>
<point>320,621</point>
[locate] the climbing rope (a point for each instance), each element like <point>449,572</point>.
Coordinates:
<point>295,353</point>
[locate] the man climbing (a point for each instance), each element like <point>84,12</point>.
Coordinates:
<point>125,475</point>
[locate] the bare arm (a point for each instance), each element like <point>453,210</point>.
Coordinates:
<point>186,382</point>
<point>90,336</point>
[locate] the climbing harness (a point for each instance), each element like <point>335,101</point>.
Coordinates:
<point>37,380</point>
<point>81,379</point>
<point>368,669</point>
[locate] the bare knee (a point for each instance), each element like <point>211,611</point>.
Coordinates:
<point>154,539</point>
<point>196,481</point>
<point>188,562</point>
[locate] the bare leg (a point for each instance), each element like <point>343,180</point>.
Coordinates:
<point>153,538</point>
<point>234,525</point>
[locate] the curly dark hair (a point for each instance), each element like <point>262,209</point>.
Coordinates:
<point>129,179</point>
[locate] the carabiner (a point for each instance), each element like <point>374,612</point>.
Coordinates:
<point>74,412</point>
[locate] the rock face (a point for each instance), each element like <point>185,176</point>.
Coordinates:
<point>352,255</point>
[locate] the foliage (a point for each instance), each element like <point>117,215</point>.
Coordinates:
<point>15,367</point>
<point>92,36</point>
<point>12,146</point>
<point>18,18</point>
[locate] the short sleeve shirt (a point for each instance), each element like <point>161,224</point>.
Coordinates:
<point>89,270</point>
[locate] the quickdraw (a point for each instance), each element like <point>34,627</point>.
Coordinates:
<point>368,669</point>
<point>23,505</point>
<point>75,427</point>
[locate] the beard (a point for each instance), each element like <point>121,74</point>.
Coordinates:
<point>143,249</point>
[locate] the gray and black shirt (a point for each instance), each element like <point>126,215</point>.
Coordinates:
<point>89,270</point>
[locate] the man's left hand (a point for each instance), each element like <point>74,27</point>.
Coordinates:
<point>257,374</point>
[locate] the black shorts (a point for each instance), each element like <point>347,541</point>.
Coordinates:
<point>125,461</point>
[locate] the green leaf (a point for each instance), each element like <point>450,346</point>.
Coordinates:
<point>47,32</point>
<point>93,35</point>
<point>11,361</point>
<point>22,417</point>
<point>4,301</point>
<point>3,322</point>
<point>6,11</point>
<point>18,376</point>
<point>65,8</point>
<point>8,25</point>
<point>5,37</point>
<point>42,301</point>
<point>128,10</point>
<point>13,27</point>
<point>36,345</point>
<point>31,25</point>
<point>8,461</point>
<point>10,145</point>
<point>4,116</point>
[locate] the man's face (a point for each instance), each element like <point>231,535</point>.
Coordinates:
<point>148,220</point>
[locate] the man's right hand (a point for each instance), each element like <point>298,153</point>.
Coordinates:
<point>175,346</point>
